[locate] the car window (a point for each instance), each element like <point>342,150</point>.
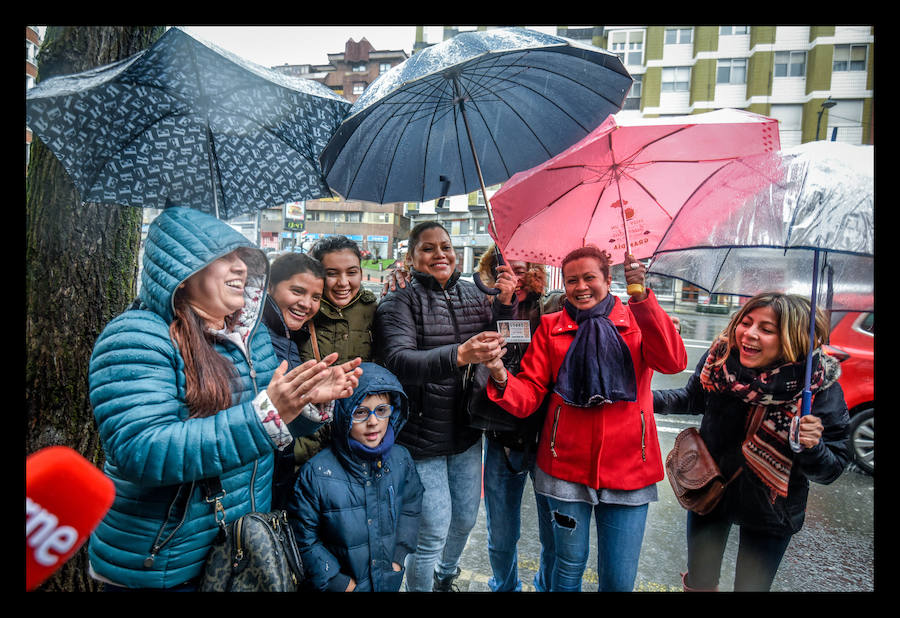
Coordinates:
<point>867,324</point>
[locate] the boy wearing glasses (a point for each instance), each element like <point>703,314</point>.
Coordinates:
<point>356,504</point>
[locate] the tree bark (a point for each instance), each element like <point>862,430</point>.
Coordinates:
<point>80,272</point>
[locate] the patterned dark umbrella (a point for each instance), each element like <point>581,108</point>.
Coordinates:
<point>185,122</point>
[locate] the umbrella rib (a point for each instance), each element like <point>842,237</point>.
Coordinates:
<point>568,77</point>
<point>594,211</point>
<point>647,191</point>
<point>548,205</point>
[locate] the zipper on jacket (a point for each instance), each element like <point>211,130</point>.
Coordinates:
<point>643,439</point>
<point>553,433</point>
<point>452,315</point>
<point>157,545</point>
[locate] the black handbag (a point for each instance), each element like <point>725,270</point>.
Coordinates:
<point>255,553</point>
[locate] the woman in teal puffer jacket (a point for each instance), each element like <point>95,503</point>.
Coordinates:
<point>185,386</point>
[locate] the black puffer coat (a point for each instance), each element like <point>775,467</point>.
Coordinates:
<point>418,330</point>
<point>747,500</point>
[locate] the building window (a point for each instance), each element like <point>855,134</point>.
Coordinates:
<point>790,64</point>
<point>359,67</point>
<point>731,71</point>
<point>358,87</point>
<point>633,101</point>
<point>676,79</point>
<point>849,58</point>
<point>678,36</point>
<point>384,67</point>
<point>729,30</point>
<point>628,45</point>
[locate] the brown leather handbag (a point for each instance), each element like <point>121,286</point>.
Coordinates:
<point>693,473</point>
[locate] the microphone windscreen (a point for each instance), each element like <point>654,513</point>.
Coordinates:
<point>66,497</point>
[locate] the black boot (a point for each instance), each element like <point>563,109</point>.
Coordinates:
<point>446,584</point>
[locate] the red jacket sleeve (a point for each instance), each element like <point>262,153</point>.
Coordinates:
<point>526,390</point>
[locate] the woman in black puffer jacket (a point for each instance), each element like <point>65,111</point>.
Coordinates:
<point>427,334</point>
<point>759,361</point>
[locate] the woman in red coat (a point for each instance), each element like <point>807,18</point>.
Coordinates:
<point>598,450</point>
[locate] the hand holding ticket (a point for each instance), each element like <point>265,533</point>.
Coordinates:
<point>515,331</point>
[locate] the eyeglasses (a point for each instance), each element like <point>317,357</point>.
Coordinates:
<point>362,413</point>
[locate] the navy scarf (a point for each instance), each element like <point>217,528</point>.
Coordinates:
<point>597,368</point>
<point>373,454</point>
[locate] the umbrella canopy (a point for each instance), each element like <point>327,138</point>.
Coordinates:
<point>185,122</point>
<point>521,96</point>
<point>620,186</point>
<point>774,214</point>
<point>783,215</point>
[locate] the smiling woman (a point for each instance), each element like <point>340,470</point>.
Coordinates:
<point>186,386</point>
<point>758,363</point>
<point>428,334</point>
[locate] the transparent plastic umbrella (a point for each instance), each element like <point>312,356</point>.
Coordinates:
<point>783,222</point>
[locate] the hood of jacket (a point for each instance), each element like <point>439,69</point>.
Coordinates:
<point>182,241</point>
<point>374,379</point>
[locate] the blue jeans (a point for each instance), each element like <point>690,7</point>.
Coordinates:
<point>758,558</point>
<point>620,533</point>
<point>503,490</point>
<point>449,510</point>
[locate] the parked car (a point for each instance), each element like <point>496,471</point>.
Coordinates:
<point>852,342</point>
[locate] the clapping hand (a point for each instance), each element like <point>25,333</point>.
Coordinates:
<point>311,382</point>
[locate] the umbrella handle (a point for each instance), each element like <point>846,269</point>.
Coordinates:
<point>481,285</point>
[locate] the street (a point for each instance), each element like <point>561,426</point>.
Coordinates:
<point>834,551</point>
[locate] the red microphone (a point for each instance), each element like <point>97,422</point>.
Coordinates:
<point>66,496</point>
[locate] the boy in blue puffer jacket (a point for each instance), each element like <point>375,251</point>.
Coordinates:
<point>356,505</point>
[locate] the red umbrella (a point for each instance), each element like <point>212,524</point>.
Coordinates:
<point>621,186</point>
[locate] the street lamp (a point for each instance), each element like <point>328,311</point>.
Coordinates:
<point>826,104</point>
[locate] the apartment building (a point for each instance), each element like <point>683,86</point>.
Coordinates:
<point>817,81</point>
<point>376,228</point>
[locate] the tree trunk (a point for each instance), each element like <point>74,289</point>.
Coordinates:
<point>80,272</point>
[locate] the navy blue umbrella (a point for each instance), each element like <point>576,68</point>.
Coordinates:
<point>471,111</point>
<point>185,122</point>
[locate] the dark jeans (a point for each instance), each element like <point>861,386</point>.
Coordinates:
<point>758,558</point>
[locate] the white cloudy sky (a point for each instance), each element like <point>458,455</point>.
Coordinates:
<point>275,45</point>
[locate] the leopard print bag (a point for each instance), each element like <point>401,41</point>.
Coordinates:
<point>255,553</point>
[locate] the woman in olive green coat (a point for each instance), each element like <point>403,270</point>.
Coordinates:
<point>343,323</point>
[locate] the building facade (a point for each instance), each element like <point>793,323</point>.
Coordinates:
<point>32,45</point>
<point>376,228</point>
<point>348,73</point>
<point>817,81</point>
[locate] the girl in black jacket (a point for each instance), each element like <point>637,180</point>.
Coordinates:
<point>427,333</point>
<point>759,360</point>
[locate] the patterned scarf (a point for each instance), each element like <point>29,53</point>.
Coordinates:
<point>778,390</point>
<point>597,368</point>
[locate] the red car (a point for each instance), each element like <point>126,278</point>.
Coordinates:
<point>853,342</point>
